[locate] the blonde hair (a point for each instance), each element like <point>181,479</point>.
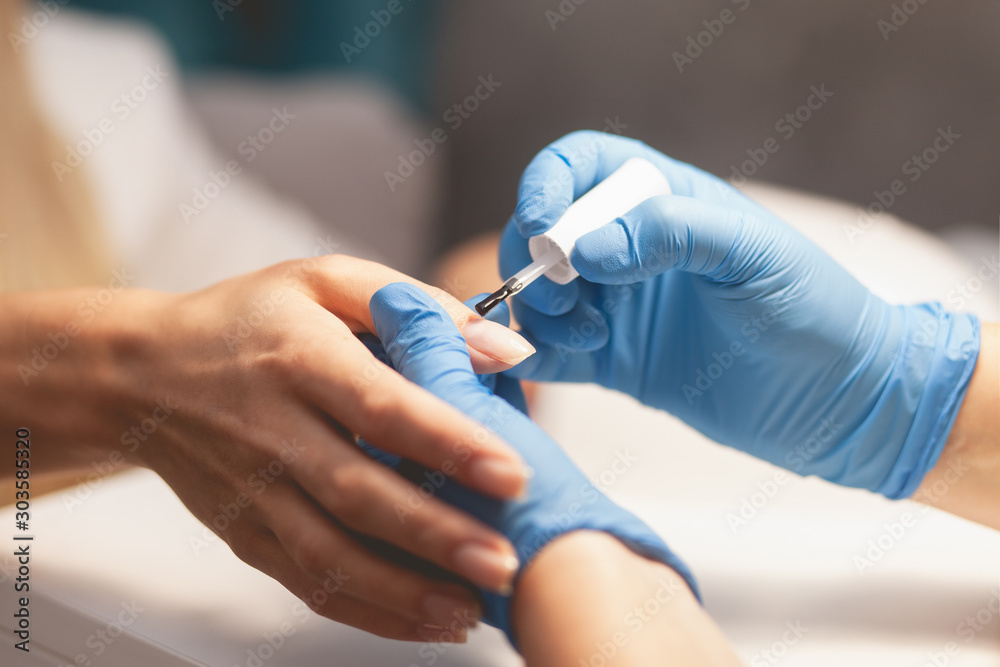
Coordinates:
<point>50,235</point>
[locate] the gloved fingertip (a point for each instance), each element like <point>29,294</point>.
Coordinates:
<point>544,193</point>
<point>390,304</point>
<point>404,315</point>
<point>536,214</point>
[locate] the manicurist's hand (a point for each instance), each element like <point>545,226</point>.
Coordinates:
<point>247,399</point>
<point>422,343</point>
<point>706,305</point>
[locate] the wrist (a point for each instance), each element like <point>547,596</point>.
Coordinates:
<point>65,372</point>
<point>587,590</point>
<point>133,339</point>
<point>597,558</point>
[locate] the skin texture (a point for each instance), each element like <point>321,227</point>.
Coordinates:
<point>260,422</point>
<point>636,610</point>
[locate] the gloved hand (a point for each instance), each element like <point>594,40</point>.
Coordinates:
<point>423,344</point>
<point>707,306</point>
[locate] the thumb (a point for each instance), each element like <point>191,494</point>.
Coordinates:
<point>673,232</point>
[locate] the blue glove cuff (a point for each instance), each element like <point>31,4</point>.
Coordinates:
<point>934,364</point>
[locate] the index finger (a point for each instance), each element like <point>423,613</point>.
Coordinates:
<point>343,379</point>
<point>345,285</point>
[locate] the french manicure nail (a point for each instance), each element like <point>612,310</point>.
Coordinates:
<point>485,566</point>
<point>497,341</point>
<point>446,610</point>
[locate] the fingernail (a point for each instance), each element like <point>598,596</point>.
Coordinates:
<point>442,635</point>
<point>497,341</point>
<point>500,477</point>
<point>446,610</point>
<point>486,567</point>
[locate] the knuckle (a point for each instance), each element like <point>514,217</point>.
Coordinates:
<point>350,483</point>
<point>272,364</point>
<point>282,271</point>
<point>314,275</point>
<point>455,309</point>
<point>437,294</point>
<point>308,555</point>
<point>338,264</point>
<point>378,410</point>
<point>284,364</point>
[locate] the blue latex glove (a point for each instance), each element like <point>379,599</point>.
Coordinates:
<point>706,305</point>
<point>423,344</point>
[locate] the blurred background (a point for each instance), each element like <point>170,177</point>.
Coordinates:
<point>398,129</point>
<point>898,72</point>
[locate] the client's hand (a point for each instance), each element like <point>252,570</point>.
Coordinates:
<point>421,342</point>
<point>706,305</point>
<point>246,398</point>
